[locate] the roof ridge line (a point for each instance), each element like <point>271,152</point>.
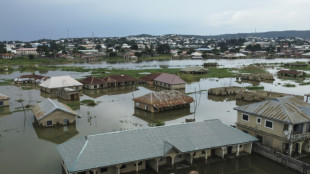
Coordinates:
<point>282,106</point>
<point>79,155</point>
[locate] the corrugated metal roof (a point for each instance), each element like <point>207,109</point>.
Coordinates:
<point>118,78</point>
<point>108,149</point>
<point>169,79</point>
<point>60,82</point>
<point>48,106</point>
<point>149,77</point>
<point>165,98</point>
<point>3,97</point>
<point>92,80</point>
<point>286,109</point>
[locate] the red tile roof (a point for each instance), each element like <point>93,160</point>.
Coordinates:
<point>169,79</point>
<point>166,98</point>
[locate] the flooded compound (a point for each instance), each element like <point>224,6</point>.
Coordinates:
<point>28,148</point>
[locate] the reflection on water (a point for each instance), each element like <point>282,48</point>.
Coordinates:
<point>56,134</point>
<point>4,111</point>
<point>222,98</point>
<point>162,116</point>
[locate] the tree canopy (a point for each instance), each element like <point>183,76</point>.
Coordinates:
<point>163,49</point>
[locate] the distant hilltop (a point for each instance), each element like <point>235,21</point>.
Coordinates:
<point>270,34</point>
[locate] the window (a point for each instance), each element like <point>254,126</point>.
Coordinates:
<point>102,170</point>
<point>137,104</point>
<point>123,166</point>
<point>146,107</point>
<point>65,121</point>
<point>139,164</point>
<point>1,103</point>
<point>285,127</point>
<point>245,117</point>
<point>269,124</point>
<point>203,152</point>
<point>49,123</point>
<point>194,154</point>
<point>258,120</point>
<point>308,127</point>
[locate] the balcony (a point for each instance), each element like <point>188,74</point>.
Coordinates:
<point>296,137</point>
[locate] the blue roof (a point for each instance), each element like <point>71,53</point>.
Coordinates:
<point>107,149</point>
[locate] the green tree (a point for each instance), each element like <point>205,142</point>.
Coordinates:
<point>31,56</point>
<point>163,49</point>
<point>134,46</point>
<point>2,48</point>
<point>98,47</point>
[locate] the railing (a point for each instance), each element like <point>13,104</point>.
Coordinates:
<point>295,137</point>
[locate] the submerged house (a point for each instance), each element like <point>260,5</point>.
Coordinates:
<point>69,94</point>
<point>119,80</point>
<point>149,79</point>
<point>54,84</point>
<point>93,83</point>
<point>170,81</point>
<point>281,123</point>
<point>50,112</point>
<point>4,100</point>
<point>31,78</point>
<point>194,70</point>
<point>163,100</point>
<point>291,73</point>
<point>135,150</point>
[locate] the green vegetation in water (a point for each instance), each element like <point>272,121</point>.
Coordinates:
<point>4,82</point>
<point>253,69</point>
<point>88,102</point>
<point>255,87</point>
<point>73,103</point>
<point>20,100</point>
<point>289,85</point>
<point>304,83</point>
<point>26,88</point>
<point>157,123</point>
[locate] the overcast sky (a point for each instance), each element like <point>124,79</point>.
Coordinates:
<point>53,19</point>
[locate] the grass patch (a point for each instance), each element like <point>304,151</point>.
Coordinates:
<point>255,87</point>
<point>289,85</point>
<point>88,102</point>
<point>26,88</point>
<point>253,69</point>
<point>74,103</point>
<point>304,83</point>
<point>5,82</point>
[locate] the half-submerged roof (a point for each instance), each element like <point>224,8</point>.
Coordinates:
<point>165,98</point>
<point>286,109</point>
<point>109,149</point>
<point>48,106</point>
<point>91,80</point>
<point>60,82</point>
<point>169,79</point>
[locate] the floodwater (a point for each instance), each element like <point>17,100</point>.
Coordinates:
<point>153,64</point>
<point>27,148</point>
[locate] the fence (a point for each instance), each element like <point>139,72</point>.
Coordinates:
<point>281,158</point>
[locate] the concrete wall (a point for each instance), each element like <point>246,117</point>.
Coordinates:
<point>143,105</point>
<point>166,85</point>
<point>276,130</point>
<point>55,90</point>
<point>5,102</point>
<point>57,117</point>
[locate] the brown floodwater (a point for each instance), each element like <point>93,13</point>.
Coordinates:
<point>29,149</point>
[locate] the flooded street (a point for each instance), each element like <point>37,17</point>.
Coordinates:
<point>27,148</point>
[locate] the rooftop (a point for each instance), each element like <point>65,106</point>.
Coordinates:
<point>48,106</point>
<point>91,80</point>
<point>60,82</point>
<point>107,149</point>
<point>118,78</point>
<point>3,97</point>
<point>169,79</point>
<point>284,109</point>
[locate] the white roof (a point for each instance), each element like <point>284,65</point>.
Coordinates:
<point>239,55</point>
<point>196,54</point>
<point>60,82</point>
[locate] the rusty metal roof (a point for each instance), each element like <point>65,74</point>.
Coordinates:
<point>169,79</point>
<point>3,97</point>
<point>92,80</point>
<point>119,78</point>
<point>164,98</point>
<point>286,109</point>
<point>149,77</point>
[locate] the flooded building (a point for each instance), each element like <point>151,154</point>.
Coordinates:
<point>68,94</point>
<point>4,100</point>
<point>291,73</point>
<point>210,64</point>
<point>194,70</point>
<point>50,112</point>
<point>119,80</point>
<point>27,51</point>
<point>135,150</point>
<point>149,79</point>
<point>170,81</point>
<point>54,84</point>
<point>93,83</point>
<point>281,123</point>
<point>163,100</point>
<point>31,78</point>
